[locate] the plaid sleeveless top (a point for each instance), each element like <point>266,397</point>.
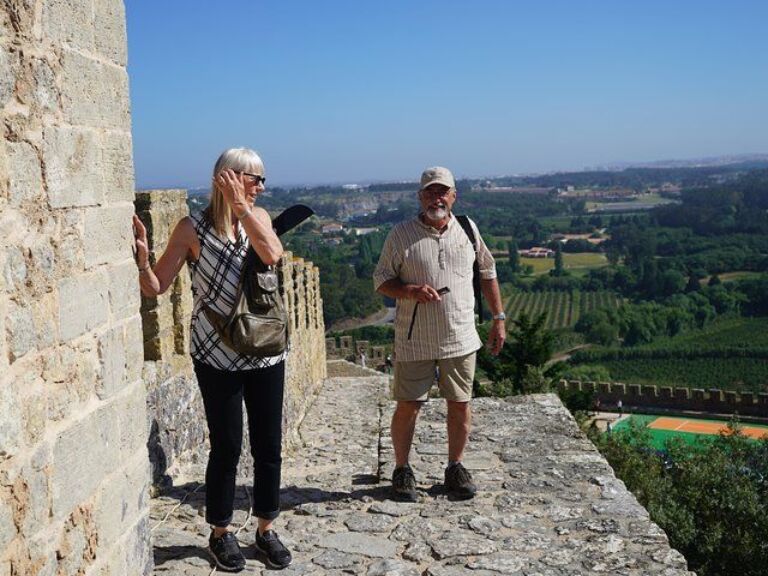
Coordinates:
<point>215,276</point>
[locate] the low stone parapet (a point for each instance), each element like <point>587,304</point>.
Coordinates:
<point>714,401</point>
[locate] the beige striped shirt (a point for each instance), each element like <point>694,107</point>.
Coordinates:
<point>418,254</point>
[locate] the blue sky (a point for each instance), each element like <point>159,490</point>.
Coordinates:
<point>338,91</point>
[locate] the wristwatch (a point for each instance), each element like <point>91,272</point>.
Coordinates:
<point>500,316</point>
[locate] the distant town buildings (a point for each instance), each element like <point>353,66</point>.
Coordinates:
<point>332,228</point>
<point>363,231</point>
<point>537,252</point>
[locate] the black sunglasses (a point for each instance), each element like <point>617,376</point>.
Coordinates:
<point>255,178</point>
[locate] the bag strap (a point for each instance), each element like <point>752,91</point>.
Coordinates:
<point>249,261</point>
<point>463,220</point>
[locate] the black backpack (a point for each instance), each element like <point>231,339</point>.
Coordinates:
<point>467,227</point>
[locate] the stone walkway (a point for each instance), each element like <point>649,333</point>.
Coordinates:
<point>548,504</point>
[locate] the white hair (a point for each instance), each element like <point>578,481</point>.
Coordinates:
<point>239,160</point>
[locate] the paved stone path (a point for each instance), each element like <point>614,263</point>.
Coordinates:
<point>548,504</point>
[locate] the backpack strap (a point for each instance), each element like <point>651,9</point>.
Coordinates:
<point>467,227</point>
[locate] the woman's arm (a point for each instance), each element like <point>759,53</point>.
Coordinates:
<point>258,227</point>
<point>182,244</point>
<point>256,221</point>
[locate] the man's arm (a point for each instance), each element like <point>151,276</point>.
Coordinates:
<point>498,332</point>
<point>386,276</point>
<point>395,288</point>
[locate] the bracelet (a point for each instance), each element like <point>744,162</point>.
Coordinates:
<point>147,267</point>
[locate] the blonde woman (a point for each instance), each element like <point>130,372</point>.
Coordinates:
<point>214,245</point>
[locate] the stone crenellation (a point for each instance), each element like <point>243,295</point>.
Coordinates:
<point>713,401</point>
<point>347,348</point>
<point>74,470</point>
<point>177,420</point>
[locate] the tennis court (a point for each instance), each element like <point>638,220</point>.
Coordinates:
<point>688,429</point>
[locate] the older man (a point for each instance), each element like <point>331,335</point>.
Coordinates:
<point>426,265</point>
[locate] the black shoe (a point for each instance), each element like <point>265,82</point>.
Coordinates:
<point>278,556</point>
<point>458,481</point>
<point>404,484</point>
<point>226,552</point>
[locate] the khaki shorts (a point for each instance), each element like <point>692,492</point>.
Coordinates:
<point>413,380</point>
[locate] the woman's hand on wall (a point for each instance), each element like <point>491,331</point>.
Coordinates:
<point>140,243</point>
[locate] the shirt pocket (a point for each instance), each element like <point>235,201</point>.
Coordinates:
<point>462,259</point>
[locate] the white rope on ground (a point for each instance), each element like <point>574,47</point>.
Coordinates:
<point>172,510</point>
<point>250,511</point>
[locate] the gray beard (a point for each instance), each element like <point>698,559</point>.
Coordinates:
<point>436,214</point>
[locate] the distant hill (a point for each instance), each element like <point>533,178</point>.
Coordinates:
<point>748,161</point>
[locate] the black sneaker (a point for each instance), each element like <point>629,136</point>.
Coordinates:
<point>226,552</point>
<point>278,556</point>
<point>458,481</point>
<point>404,484</point>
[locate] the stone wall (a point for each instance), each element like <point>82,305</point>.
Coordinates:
<point>711,401</point>
<point>346,348</point>
<point>177,421</point>
<point>177,424</point>
<point>73,460</point>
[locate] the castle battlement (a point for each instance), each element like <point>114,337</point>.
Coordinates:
<point>711,401</point>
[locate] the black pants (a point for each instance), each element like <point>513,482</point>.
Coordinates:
<point>223,394</point>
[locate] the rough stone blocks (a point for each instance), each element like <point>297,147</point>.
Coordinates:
<point>94,94</point>
<point>120,502</point>
<point>113,362</point>
<point>109,30</point>
<point>84,455</point>
<point>72,161</point>
<point>133,426</point>
<point>20,330</point>
<point>67,22</point>
<point>10,420</point>
<point>82,304</point>
<point>107,234</point>
<point>117,167</point>
<point>124,298</point>
<point>26,176</point>
<point>7,75</point>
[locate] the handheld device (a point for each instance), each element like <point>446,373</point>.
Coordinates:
<point>440,291</point>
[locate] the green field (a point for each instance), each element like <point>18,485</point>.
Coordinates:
<point>748,374</point>
<point>660,437</point>
<point>747,333</point>
<point>556,222</point>
<point>731,276</point>
<point>581,261</point>
<point>643,201</point>
<point>729,354</point>
<point>563,309</point>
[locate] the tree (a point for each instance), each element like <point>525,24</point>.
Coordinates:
<point>530,346</point>
<point>514,257</point>
<point>559,269</point>
<point>670,282</point>
<point>709,498</point>
<point>693,284</point>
